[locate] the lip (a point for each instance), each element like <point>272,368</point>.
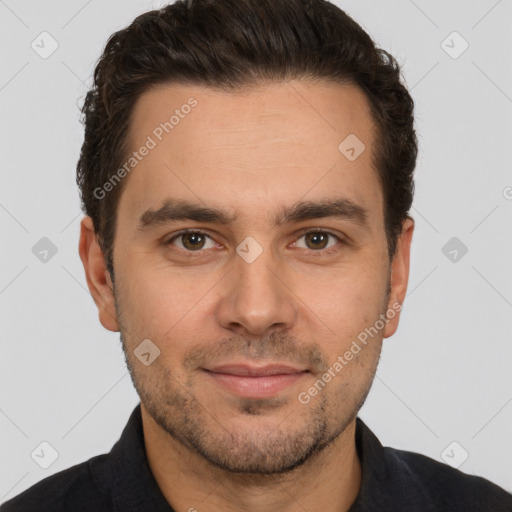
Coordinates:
<point>256,371</point>
<point>255,382</point>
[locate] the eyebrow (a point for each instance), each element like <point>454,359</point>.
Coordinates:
<point>174,210</point>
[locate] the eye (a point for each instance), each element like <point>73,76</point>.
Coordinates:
<point>192,241</point>
<point>318,240</point>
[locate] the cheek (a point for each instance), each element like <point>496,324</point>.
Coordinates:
<point>346,299</point>
<point>160,303</point>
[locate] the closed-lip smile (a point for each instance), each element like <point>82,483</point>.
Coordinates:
<point>255,381</point>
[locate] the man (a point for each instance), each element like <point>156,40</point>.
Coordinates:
<point>247,176</point>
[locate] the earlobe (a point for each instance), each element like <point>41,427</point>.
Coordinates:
<point>98,278</point>
<point>399,277</point>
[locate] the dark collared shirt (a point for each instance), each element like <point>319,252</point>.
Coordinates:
<point>392,480</point>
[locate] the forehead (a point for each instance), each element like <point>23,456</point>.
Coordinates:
<point>271,144</point>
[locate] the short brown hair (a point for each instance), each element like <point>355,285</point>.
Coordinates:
<point>229,44</point>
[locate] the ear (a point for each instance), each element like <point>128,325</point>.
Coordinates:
<point>399,277</point>
<point>98,278</point>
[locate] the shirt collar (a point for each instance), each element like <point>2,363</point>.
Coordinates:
<point>134,488</point>
<point>374,470</point>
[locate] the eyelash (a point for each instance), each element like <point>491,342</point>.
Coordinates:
<point>311,253</point>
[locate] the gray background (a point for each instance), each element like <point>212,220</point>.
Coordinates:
<point>444,377</point>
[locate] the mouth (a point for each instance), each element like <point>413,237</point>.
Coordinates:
<point>255,382</point>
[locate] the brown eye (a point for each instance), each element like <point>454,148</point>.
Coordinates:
<point>193,241</point>
<point>316,240</point>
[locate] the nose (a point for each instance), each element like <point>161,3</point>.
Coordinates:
<point>256,299</point>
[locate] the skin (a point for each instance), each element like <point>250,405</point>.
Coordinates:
<point>251,153</point>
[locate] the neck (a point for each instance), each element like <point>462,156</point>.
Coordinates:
<point>328,481</point>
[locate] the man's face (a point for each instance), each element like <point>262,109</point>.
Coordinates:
<point>253,288</point>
